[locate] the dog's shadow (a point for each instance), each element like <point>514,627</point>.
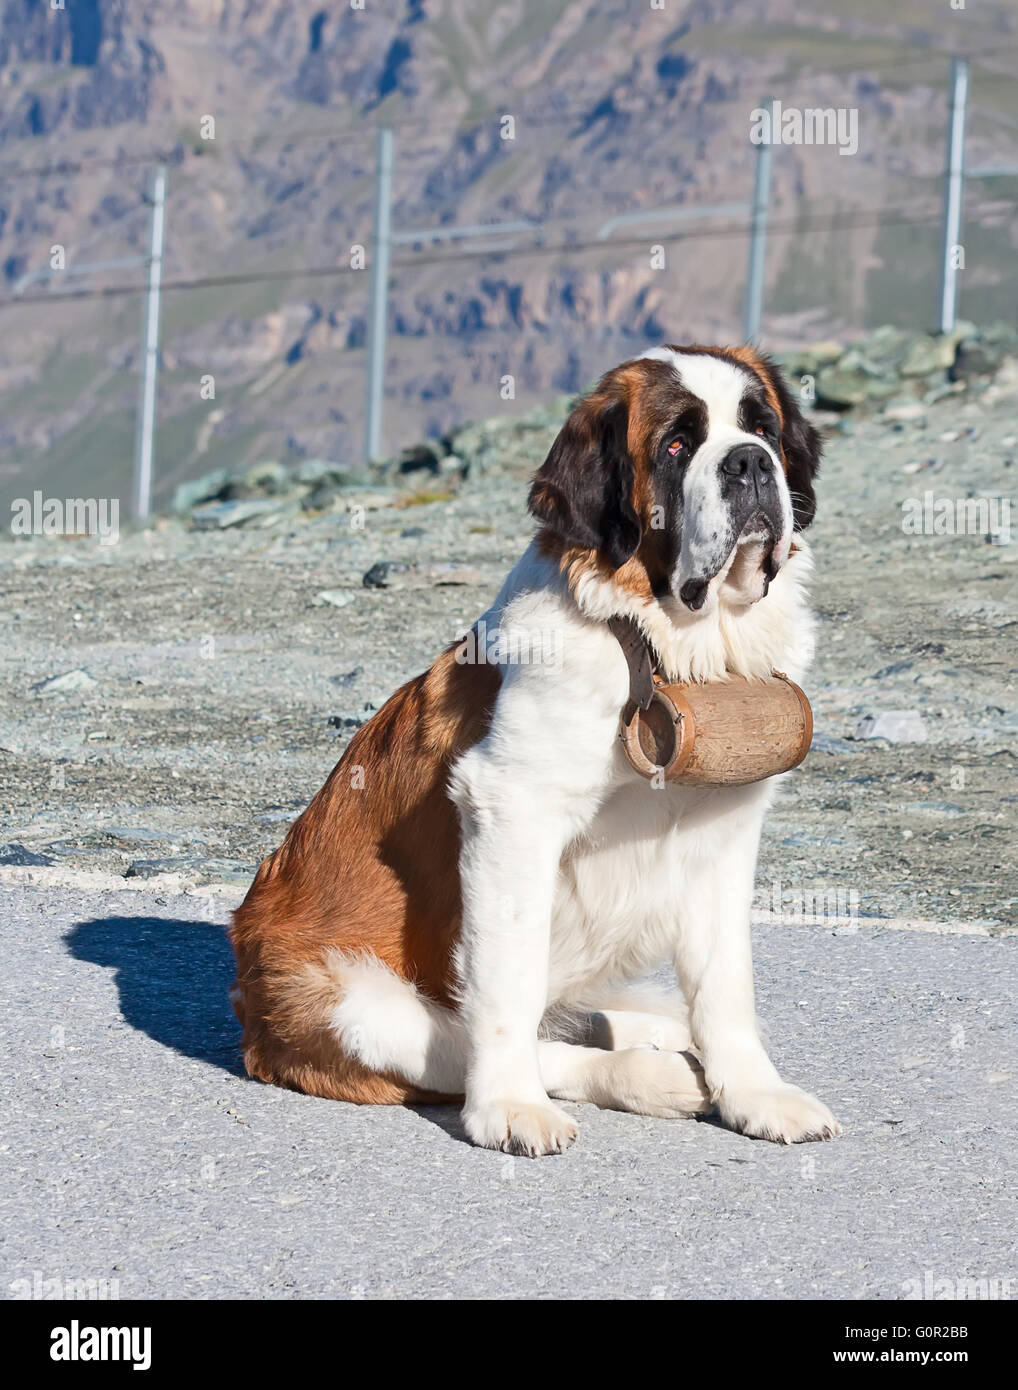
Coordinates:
<point>173,978</point>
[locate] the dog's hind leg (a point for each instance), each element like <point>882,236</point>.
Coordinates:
<point>639,1079</point>
<point>361,1021</point>
<point>346,1027</point>
<point>624,1016</point>
<point>388,1026</point>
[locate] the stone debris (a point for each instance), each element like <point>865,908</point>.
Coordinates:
<point>70,683</point>
<point>896,725</point>
<point>18,856</point>
<point>333,598</point>
<point>893,370</point>
<point>220,516</point>
<point>205,870</point>
<point>397,574</point>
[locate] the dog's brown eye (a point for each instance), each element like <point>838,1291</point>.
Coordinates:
<point>676,447</point>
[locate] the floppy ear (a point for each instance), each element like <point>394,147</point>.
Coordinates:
<point>584,489</point>
<point>801,447</point>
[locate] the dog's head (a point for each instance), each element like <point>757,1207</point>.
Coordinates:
<point>693,465</point>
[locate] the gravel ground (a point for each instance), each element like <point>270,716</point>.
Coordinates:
<point>136,1151</point>
<point>223,695</point>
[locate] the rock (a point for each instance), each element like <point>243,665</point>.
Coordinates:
<point>807,361</point>
<point>396,574</point>
<point>346,680</point>
<point>854,380</point>
<point>841,388</point>
<point>268,477</point>
<point>333,598</point>
<point>203,489</point>
<point>221,516</point>
<point>509,444</point>
<point>211,870</point>
<point>149,868</point>
<point>387,574</point>
<point>886,348</point>
<point>418,457</point>
<point>412,533</point>
<point>942,389</point>
<point>897,726</point>
<point>451,465</point>
<point>345,722</point>
<point>976,359</point>
<point>71,682</point>
<point>21,857</point>
<point>313,471</point>
<point>1004,386</point>
<point>930,354</point>
<point>136,834</point>
<point>326,496</point>
<point>904,411</point>
<point>827,743</point>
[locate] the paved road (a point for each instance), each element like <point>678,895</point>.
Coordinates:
<point>136,1151</point>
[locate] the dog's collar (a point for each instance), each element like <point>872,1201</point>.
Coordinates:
<point>641,660</point>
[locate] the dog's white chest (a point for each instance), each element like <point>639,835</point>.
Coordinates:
<point>620,885</point>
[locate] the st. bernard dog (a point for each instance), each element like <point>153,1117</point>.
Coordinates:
<point>467,906</point>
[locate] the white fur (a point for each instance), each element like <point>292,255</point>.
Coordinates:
<point>577,873</point>
<point>389,1026</point>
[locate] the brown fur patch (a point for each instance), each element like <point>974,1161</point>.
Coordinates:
<point>749,357</point>
<point>371,867</point>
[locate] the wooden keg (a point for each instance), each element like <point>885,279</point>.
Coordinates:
<point>721,733</point>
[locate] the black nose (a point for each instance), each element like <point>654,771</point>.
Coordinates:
<point>748,463</point>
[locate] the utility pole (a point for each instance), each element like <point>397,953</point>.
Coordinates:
<point>145,430</point>
<point>378,313</point>
<point>758,230</point>
<point>954,181</point>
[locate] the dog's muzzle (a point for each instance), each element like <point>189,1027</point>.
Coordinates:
<point>754,511</point>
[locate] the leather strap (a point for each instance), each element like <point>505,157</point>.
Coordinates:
<point>641,663</point>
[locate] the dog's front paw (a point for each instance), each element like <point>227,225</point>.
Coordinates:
<point>520,1127</point>
<point>783,1114</point>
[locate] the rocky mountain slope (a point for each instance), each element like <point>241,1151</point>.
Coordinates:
<point>617,107</point>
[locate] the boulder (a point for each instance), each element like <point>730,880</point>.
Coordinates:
<point>203,489</point>
<point>70,683</point>
<point>930,353</point>
<point>221,516</point>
